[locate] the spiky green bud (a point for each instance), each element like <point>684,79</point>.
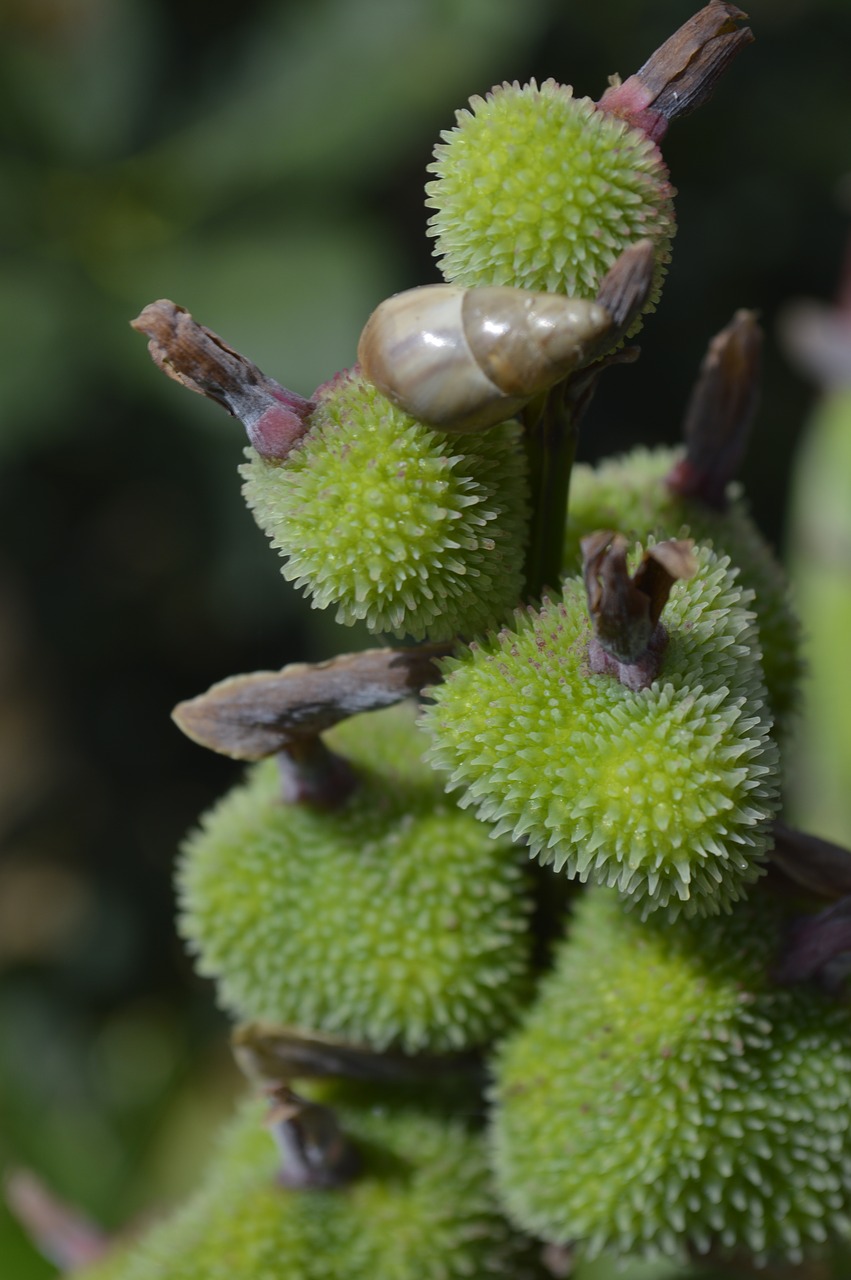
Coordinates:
<point>630,494</point>
<point>540,190</point>
<point>422,1208</point>
<point>405,528</point>
<point>665,792</point>
<point>663,1096</point>
<point>395,920</point>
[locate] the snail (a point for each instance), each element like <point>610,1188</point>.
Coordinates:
<point>461,359</point>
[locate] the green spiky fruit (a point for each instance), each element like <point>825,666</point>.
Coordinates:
<point>540,190</point>
<point>665,792</point>
<point>629,494</point>
<point>663,1096</point>
<point>404,528</point>
<point>422,1208</point>
<point>395,920</point>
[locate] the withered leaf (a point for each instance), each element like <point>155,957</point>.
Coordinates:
<point>276,419</point>
<point>720,412</point>
<point>625,288</point>
<point>683,72</point>
<point>315,1152</point>
<point>625,610</point>
<point>248,717</point>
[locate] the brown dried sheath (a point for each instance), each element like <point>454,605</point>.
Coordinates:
<point>248,717</point>
<point>268,1053</point>
<point>683,72</point>
<point>276,419</point>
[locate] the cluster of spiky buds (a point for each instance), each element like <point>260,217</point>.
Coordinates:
<point>673,1089</point>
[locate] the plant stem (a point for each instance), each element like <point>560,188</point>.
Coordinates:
<point>551,422</point>
<point>551,437</point>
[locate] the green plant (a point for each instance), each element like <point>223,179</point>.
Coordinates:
<point>666,1084</point>
<point>431,515</point>
<point>420,1205</point>
<point>305,917</point>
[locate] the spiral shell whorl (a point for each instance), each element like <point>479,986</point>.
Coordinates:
<point>462,359</point>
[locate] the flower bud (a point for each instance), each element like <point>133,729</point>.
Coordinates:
<point>395,920</point>
<point>540,190</point>
<point>665,791</point>
<point>663,1098</point>
<point>630,494</point>
<point>421,1204</point>
<point>406,529</point>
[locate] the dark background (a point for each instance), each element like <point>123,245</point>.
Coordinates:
<point>263,164</point>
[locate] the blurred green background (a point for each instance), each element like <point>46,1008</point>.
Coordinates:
<point>262,164</point>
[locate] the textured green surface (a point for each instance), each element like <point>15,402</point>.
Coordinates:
<point>400,526</point>
<point>396,920</point>
<point>629,494</point>
<point>422,1208</point>
<point>665,792</point>
<point>820,561</point>
<point>541,190</point>
<point>662,1093</point>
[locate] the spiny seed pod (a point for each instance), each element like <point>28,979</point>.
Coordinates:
<point>393,523</point>
<point>422,1206</point>
<point>540,190</point>
<point>630,494</point>
<point>665,792</point>
<point>395,920</point>
<point>461,359</point>
<point>663,1098</point>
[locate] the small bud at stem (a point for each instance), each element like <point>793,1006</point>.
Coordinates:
<point>720,412</point>
<point>197,358</point>
<point>313,775</point>
<point>628,639</point>
<point>682,74</point>
<point>625,289</point>
<point>315,1152</point>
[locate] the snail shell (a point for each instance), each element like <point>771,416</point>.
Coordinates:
<point>461,359</point>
